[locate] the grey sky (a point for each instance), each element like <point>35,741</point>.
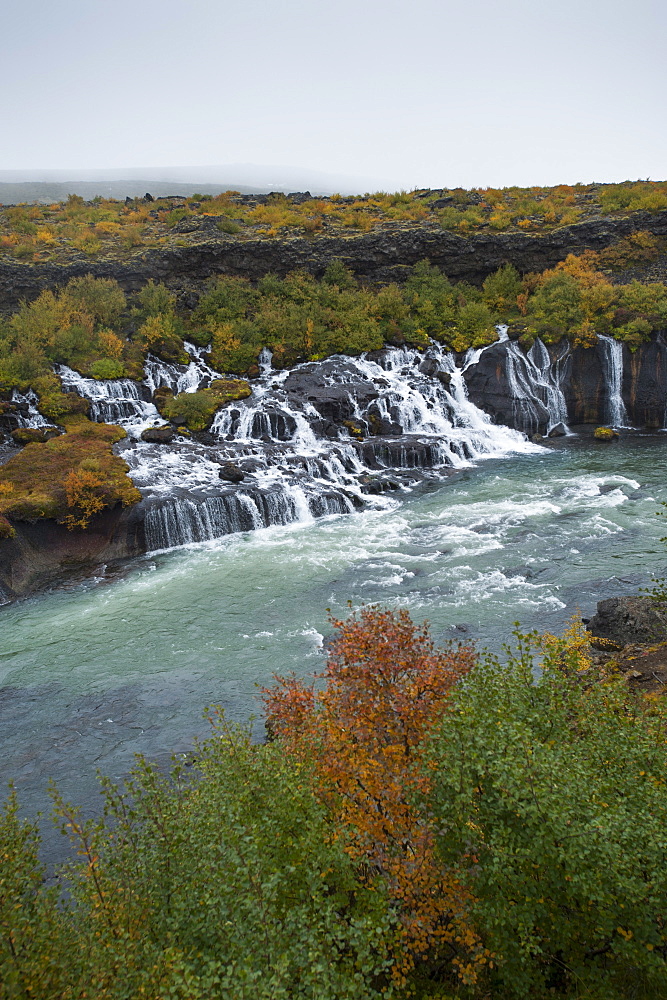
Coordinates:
<point>410,94</point>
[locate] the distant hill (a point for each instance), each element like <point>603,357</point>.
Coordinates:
<point>46,186</point>
<point>46,192</point>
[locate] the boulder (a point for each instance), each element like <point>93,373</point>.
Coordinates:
<point>158,435</point>
<point>231,473</point>
<point>625,620</point>
<point>605,434</point>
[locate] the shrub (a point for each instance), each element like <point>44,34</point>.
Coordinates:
<point>555,792</point>
<point>196,410</point>
<point>385,685</point>
<point>68,478</point>
<point>500,291</point>
<point>155,299</point>
<point>220,881</point>
<point>107,368</point>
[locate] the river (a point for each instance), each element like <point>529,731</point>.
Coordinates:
<point>93,673</point>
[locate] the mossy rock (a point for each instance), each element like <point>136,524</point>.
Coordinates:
<point>171,350</point>
<point>27,435</point>
<point>69,478</point>
<point>231,388</point>
<point>195,410</point>
<point>54,404</point>
<point>355,428</point>
<point>605,434</point>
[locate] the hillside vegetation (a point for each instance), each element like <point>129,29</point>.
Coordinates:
<point>108,227</point>
<point>91,326</point>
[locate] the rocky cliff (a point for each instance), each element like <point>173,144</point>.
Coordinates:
<point>380,256</point>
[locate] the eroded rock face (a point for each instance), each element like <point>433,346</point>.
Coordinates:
<point>585,377</point>
<point>45,552</point>
<point>644,381</point>
<point>381,256</point>
<point>627,620</point>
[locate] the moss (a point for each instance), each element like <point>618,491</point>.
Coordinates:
<point>28,435</point>
<point>195,410</point>
<point>605,434</point>
<point>56,404</point>
<point>6,530</point>
<point>67,478</point>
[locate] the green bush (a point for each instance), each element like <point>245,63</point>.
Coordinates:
<point>554,793</point>
<point>107,368</point>
<point>221,880</point>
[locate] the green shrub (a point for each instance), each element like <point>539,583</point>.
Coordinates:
<point>228,226</point>
<point>107,368</point>
<point>155,298</point>
<point>554,794</point>
<point>219,881</point>
<point>196,410</point>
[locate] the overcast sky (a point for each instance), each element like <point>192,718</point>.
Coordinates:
<point>401,93</point>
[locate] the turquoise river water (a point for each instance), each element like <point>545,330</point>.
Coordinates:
<point>92,674</point>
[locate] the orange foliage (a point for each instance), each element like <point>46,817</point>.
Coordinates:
<point>83,488</point>
<point>386,685</point>
<point>582,267</point>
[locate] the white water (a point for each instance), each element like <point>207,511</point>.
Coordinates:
<point>535,384</point>
<point>296,463</point>
<point>93,674</point>
<point>616,414</point>
<point>180,378</point>
<point>293,471</point>
<point>32,418</point>
<point>112,401</point>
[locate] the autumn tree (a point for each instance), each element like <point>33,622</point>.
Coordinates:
<point>385,685</point>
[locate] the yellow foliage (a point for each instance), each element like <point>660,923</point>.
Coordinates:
<point>111,345</point>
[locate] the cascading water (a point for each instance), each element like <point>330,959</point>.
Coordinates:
<point>612,353</point>
<point>112,401</point>
<point>535,382</point>
<point>322,438</point>
<point>296,463</point>
<point>180,378</point>
<point>27,413</point>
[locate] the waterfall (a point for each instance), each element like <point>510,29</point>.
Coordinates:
<point>297,457</point>
<point>112,401</point>
<point>27,413</point>
<point>180,378</point>
<point>535,386</point>
<point>612,353</point>
<point>184,521</point>
<point>320,439</point>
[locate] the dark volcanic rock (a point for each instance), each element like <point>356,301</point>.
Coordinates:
<point>384,255</point>
<point>158,435</point>
<point>490,389</point>
<point>625,620</point>
<point>231,473</point>
<point>645,383</point>
<point>46,552</point>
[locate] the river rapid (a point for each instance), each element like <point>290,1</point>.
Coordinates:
<point>93,673</point>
